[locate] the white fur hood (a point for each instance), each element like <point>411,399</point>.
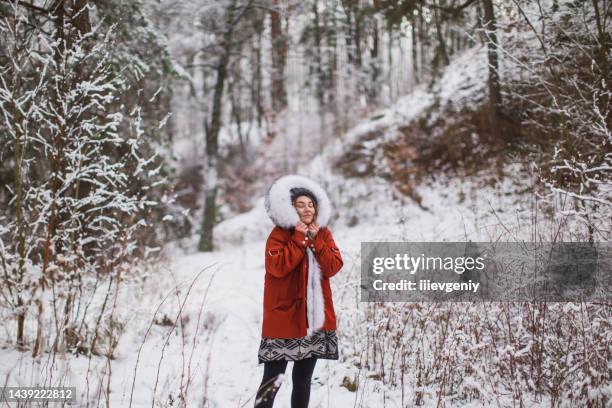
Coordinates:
<point>278,201</point>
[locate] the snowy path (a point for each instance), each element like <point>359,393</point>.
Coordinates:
<point>236,296</point>
<point>233,300</point>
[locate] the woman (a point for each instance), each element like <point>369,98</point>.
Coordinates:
<point>299,323</point>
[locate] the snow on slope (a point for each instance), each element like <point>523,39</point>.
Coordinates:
<point>460,84</point>
<point>371,200</point>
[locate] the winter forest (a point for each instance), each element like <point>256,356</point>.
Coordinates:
<point>138,140</point>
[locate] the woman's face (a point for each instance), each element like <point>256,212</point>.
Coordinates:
<point>305,208</point>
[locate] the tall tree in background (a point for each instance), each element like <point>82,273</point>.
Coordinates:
<point>233,15</point>
<point>279,57</point>
<point>257,97</point>
<point>490,27</point>
<point>318,57</point>
<point>353,30</point>
<point>441,56</point>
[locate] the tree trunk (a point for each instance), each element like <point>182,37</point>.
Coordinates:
<point>375,66</point>
<point>211,180</point>
<point>320,83</point>
<point>601,54</point>
<point>348,33</point>
<point>279,59</point>
<point>490,27</point>
<point>422,41</point>
<point>20,325</point>
<point>20,224</point>
<point>37,349</point>
<point>415,63</point>
<point>257,74</point>
<point>390,63</point>
<point>331,28</point>
<point>442,49</point>
<point>318,55</point>
<point>358,19</point>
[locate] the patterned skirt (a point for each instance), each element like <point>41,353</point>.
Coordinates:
<point>321,344</point>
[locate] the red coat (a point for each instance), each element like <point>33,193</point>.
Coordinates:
<point>284,304</point>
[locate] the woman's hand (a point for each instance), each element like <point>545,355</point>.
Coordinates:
<point>313,228</point>
<point>303,228</point>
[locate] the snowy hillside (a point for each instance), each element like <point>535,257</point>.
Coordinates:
<point>371,202</point>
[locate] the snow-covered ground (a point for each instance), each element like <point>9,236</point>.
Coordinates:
<point>222,334</point>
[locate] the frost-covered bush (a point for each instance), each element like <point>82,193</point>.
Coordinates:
<point>558,56</point>
<point>71,158</point>
<point>498,354</point>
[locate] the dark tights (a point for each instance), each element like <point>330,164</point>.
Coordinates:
<point>301,376</point>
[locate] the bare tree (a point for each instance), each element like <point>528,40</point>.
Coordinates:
<point>233,15</point>
<point>490,27</point>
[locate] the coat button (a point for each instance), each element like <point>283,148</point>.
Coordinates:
<point>303,242</point>
<point>306,238</point>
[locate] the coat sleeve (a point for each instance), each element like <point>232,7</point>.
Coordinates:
<point>327,253</point>
<point>282,255</point>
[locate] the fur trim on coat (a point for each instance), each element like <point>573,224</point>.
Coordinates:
<point>278,201</point>
<point>315,304</point>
